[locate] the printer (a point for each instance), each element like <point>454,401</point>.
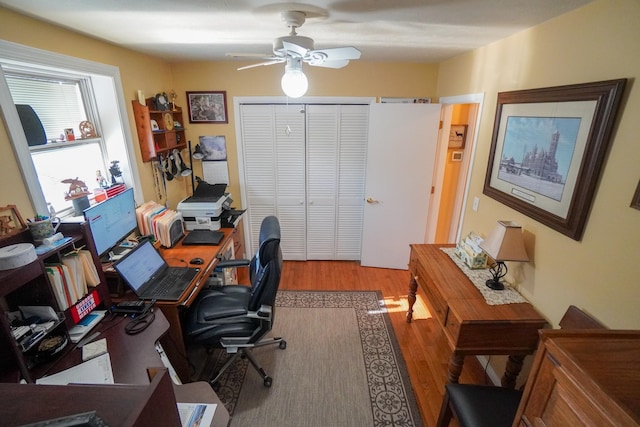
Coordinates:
<point>203,210</point>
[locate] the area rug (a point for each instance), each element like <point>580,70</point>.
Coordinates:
<point>342,367</point>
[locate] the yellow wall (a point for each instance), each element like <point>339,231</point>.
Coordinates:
<point>451,179</point>
<point>600,273</point>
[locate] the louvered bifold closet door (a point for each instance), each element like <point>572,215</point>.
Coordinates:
<point>274,170</point>
<point>354,127</point>
<point>336,160</point>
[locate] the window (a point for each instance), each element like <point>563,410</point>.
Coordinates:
<point>65,91</point>
<point>59,105</point>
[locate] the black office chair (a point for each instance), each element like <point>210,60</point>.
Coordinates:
<point>238,320</point>
<point>492,406</point>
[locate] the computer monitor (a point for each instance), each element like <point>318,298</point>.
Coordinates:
<point>112,220</point>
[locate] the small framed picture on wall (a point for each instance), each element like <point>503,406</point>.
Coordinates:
<point>457,136</point>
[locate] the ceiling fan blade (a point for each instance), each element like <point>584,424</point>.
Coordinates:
<point>292,48</point>
<point>260,64</point>
<point>239,55</point>
<point>337,53</point>
<point>331,64</point>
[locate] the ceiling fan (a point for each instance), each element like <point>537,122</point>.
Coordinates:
<point>294,50</point>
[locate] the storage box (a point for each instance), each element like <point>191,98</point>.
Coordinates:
<point>103,194</point>
<point>469,251</point>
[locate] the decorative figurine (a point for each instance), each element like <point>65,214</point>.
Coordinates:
<point>101,180</point>
<point>115,171</point>
<point>78,194</point>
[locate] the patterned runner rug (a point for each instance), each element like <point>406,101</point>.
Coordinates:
<point>342,367</point>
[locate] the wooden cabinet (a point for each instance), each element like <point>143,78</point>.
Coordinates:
<point>167,137</point>
<point>29,286</point>
<point>583,378</point>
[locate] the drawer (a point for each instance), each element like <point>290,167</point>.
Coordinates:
<point>435,301</point>
<point>452,326</point>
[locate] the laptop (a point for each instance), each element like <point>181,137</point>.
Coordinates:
<point>203,237</point>
<point>149,276</point>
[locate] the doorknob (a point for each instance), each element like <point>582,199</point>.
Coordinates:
<point>372,201</point>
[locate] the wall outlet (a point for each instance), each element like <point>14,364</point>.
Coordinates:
<point>476,202</point>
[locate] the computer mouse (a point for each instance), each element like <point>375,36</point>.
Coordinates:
<point>197,261</point>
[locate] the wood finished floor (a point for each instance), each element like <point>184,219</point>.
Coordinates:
<point>423,346</point>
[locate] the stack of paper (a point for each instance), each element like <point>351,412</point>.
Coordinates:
<point>95,371</point>
<point>157,220</point>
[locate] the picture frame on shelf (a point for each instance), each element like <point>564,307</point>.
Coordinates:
<point>207,106</point>
<point>10,221</point>
<point>548,148</point>
<point>457,136</point>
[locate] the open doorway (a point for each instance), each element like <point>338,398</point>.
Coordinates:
<point>460,117</point>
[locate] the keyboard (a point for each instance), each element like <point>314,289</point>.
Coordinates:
<point>166,285</point>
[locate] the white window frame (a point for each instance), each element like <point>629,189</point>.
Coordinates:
<point>109,102</point>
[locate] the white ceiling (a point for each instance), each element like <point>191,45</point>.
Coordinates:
<point>383,30</point>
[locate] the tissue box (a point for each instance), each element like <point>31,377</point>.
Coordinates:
<point>468,250</point>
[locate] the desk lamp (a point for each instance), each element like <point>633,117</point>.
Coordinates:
<point>504,243</point>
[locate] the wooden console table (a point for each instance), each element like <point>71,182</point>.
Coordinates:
<point>472,326</point>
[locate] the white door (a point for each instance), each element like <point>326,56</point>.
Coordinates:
<point>400,161</point>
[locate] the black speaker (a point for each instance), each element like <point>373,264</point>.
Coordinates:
<point>33,129</point>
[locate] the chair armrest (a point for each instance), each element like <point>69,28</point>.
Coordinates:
<point>231,263</point>
<point>264,312</point>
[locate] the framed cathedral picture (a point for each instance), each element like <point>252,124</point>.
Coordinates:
<point>547,150</point>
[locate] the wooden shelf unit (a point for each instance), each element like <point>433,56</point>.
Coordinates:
<point>163,141</point>
<point>583,378</point>
<point>29,285</point>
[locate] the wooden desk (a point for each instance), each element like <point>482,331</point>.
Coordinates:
<point>131,356</point>
<point>180,255</point>
<point>472,327</point>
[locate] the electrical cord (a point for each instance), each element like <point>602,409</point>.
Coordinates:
<point>142,321</point>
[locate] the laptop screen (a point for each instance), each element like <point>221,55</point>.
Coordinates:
<point>140,265</point>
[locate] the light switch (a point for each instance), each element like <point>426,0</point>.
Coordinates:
<point>476,202</point>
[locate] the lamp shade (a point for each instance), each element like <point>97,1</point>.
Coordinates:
<point>505,243</point>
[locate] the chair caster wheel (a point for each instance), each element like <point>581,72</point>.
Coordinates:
<point>282,345</point>
<point>268,381</point>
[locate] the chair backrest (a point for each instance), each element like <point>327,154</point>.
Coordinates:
<point>266,266</point>
<point>574,318</point>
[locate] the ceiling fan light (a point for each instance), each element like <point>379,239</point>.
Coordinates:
<point>294,83</point>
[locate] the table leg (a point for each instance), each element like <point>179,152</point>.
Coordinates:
<point>173,343</point>
<point>411,298</point>
<point>455,367</point>
<point>513,368</point>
